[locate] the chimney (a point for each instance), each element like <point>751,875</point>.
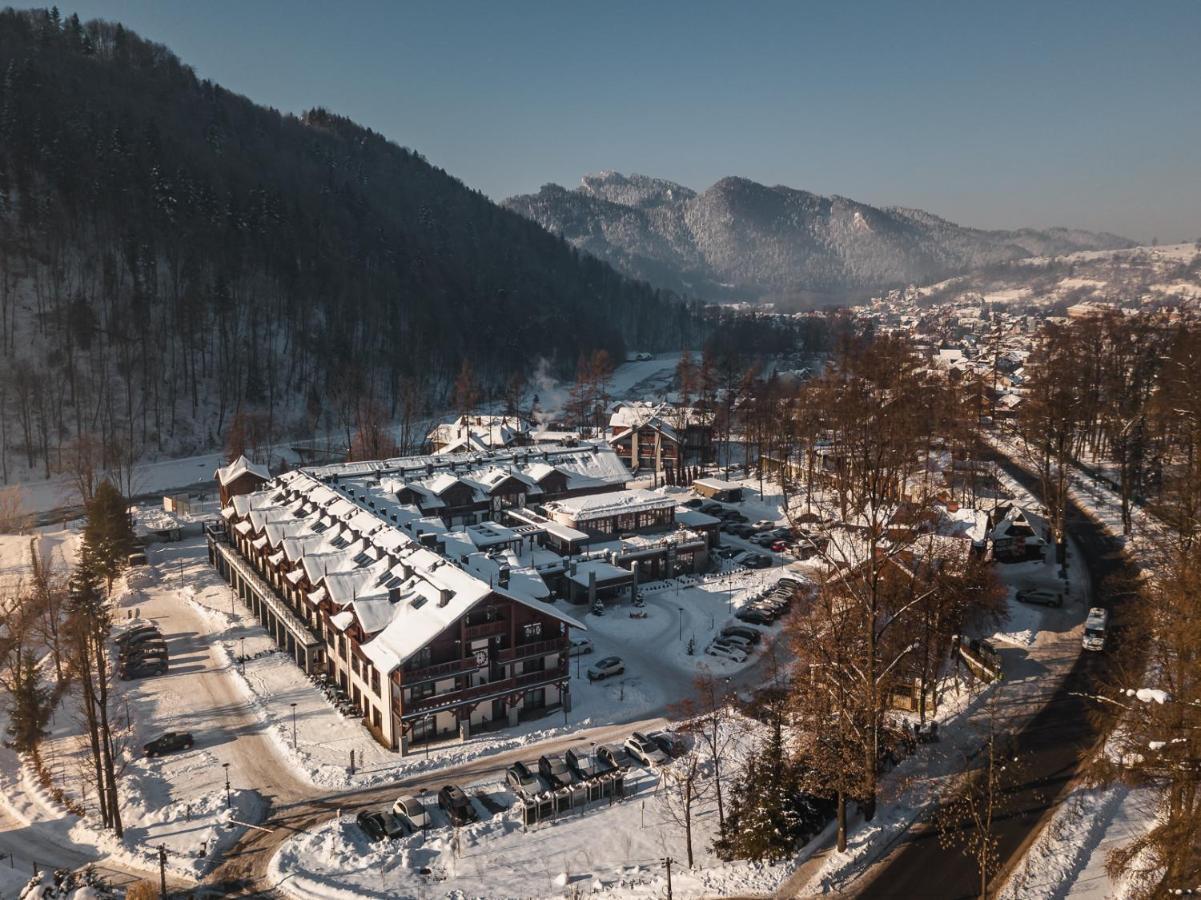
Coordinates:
<point>503,578</point>
<point>444,595</point>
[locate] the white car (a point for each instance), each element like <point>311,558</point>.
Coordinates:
<point>606,668</point>
<point>412,812</point>
<point>764,525</point>
<point>723,651</point>
<point>734,640</point>
<point>581,647</point>
<point>646,751</point>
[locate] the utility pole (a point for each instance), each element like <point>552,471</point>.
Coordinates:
<point>293,726</point>
<point>162,871</point>
<point>667,861</point>
<point>228,804</point>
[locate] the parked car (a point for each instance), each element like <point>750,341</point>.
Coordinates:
<point>523,782</point>
<point>694,503</point>
<point>143,648</point>
<point>669,742</point>
<point>137,558</point>
<point>138,633</point>
<point>584,761</point>
<point>457,805</point>
<point>372,824</point>
<point>791,583</point>
<point>754,615</point>
<point>750,635</point>
<point>764,525</point>
<point>144,669</point>
<point>759,561</point>
<point>613,755</point>
<point>1040,597</point>
<point>169,743</point>
<point>556,771</point>
<point>780,546</point>
<point>743,531</point>
<point>735,516</point>
<point>581,646</point>
<point>711,508</point>
<point>412,811</point>
<point>726,651</point>
<point>734,640</point>
<point>643,749</point>
<point>606,668</point>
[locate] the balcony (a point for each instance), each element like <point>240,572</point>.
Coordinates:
<point>487,630</point>
<point>440,670</point>
<point>536,648</point>
<point>491,689</point>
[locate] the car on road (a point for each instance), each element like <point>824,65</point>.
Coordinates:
<point>144,669</point>
<point>726,651</point>
<point>643,749</point>
<point>169,743</point>
<point>372,824</point>
<point>750,635</point>
<point>754,615</point>
<point>606,668</point>
<point>524,782</point>
<point>670,742</point>
<point>556,771</point>
<point>457,805</point>
<point>581,646</point>
<point>1040,597</point>
<point>138,633</point>
<point>584,761</point>
<point>614,756</point>
<point>412,812</point>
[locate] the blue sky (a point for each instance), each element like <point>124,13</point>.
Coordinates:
<point>995,114</point>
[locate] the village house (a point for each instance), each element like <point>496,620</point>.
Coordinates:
<point>480,432</point>
<point>661,438</point>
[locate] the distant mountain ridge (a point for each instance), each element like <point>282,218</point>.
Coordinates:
<point>743,240</point>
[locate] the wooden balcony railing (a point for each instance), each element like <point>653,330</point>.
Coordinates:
<point>487,629</point>
<point>536,648</point>
<point>440,670</point>
<point>452,699</point>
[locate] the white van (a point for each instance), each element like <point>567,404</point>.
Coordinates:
<point>1094,629</point>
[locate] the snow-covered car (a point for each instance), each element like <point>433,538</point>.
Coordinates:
<point>643,749</point>
<point>584,761</point>
<point>742,643</point>
<point>726,651</point>
<point>169,743</point>
<point>581,646</point>
<point>748,634</point>
<point>372,824</point>
<point>412,811</point>
<point>764,525</point>
<point>457,805</point>
<point>136,634</point>
<point>524,782</point>
<point>755,615</point>
<point>395,826</point>
<point>606,668</point>
<point>556,771</point>
<point>1040,597</point>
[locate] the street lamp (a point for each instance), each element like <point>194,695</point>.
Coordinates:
<point>228,803</point>
<point>681,623</point>
<point>242,656</point>
<point>293,726</point>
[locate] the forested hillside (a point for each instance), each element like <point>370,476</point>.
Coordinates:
<point>171,253</point>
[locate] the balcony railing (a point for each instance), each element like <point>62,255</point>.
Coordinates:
<point>451,699</point>
<point>487,629</point>
<point>440,670</point>
<point>536,648</point>
<point>270,598</point>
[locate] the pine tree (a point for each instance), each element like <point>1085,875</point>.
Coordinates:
<point>108,535</point>
<point>31,705</point>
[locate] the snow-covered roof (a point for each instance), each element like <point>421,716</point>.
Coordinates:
<point>239,467</point>
<point>598,506</point>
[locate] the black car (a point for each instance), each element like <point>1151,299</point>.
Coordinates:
<point>742,631</point>
<point>754,615</point>
<point>457,805</point>
<point>143,669</point>
<point>134,635</point>
<point>169,743</point>
<point>694,503</point>
<point>372,824</point>
<point>144,648</point>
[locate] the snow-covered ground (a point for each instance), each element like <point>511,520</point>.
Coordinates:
<point>603,849</point>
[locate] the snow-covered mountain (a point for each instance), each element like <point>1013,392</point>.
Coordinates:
<point>740,239</point>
